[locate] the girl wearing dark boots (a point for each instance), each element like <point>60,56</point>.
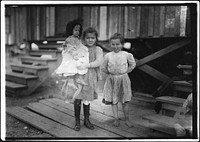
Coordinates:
<point>88,92</point>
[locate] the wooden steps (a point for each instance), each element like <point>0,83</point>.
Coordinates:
<point>49,46</point>
<point>13,89</point>
<point>55,39</point>
<point>170,105</point>
<point>19,77</point>
<point>39,53</point>
<point>27,68</point>
<point>170,109</point>
<point>183,86</point>
<point>36,60</point>
<point>143,97</point>
<point>26,76</point>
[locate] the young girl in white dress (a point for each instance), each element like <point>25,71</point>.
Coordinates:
<point>117,64</point>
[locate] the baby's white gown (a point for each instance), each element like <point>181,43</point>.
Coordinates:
<point>74,56</point>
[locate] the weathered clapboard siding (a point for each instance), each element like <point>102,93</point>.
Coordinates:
<point>144,21</point>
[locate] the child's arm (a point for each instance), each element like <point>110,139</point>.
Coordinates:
<point>104,67</point>
<point>99,58</point>
<point>131,62</point>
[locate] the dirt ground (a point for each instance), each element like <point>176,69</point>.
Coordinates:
<point>15,127</point>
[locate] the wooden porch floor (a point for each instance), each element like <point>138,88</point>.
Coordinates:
<point>56,117</point>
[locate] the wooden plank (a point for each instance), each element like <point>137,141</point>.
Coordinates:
<point>150,21</point>
<point>15,85</point>
<point>144,21</point>
<point>99,124</point>
<point>156,21</point>
<point>154,73</point>
<point>188,22</point>
<point>86,17</point>
<point>112,20</point>
<point>131,32</point>
<point>19,77</point>
<point>167,123</point>
<point>183,20</point>
<point>12,24</point>
<point>171,107</point>
<point>29,25</point>
<point>17,26</point>
<point>138,18</point>
<point>162,20</point>
<point>126,22</point>
<point>120,28</point>
<point>182,86</point>
<point>171,100</point>
<point>52,21</point>
<point>95,115</point>
<point>169,21</point>
<point>103,23</point>
<point>163,52</point>
<point>95,17</point>
<point>37,23</point>
<point>68,121</point>
<point>42,23</point>
<point>43,123</point>
<point>160,128</point>
<point>145,95</point>
<point>47,20</point>
<point>28,68</point>
<point>177,20</point>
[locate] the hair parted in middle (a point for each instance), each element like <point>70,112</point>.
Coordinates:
<point>90,30</point>
<point>118,36</point>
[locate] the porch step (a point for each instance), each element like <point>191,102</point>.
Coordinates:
<point>161,123</point>
<point>171,100</point>
<point>36,60</point>
<point>20,78</point>
<point>55,38</point>
<point>143,97</point>
<point>49,46</point>
<point>39,53</point>
<point>27,68</point>
<point>183,86</point>
<point>170,105</point>
<point>13,89</point>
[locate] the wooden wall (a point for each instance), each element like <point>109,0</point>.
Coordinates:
<point>133,21</point>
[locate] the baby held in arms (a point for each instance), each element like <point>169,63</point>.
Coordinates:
<point>74,55</point>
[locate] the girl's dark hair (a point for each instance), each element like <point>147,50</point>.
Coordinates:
<point>90,30</point>
<point>70,26</point>
<point>118,36</point>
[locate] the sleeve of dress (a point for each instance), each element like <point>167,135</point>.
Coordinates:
<point>104,67</point>
<point>131,62</point>
<point>99,58</point>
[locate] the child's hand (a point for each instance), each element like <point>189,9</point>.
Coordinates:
<point>83,66</point>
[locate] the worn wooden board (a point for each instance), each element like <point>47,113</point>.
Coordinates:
<point>68,120</point>
<point>144,21</point>
<point>43,123</point>
<point>156,21</point>
<point>163,52</point>
<point>136,131</point>
<point>161,123</point>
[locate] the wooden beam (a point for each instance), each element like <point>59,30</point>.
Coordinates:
<point>162,52</point>
<point>154,73</point>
